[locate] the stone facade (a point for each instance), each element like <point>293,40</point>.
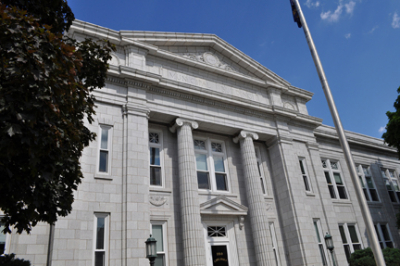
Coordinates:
<point>237,166</point>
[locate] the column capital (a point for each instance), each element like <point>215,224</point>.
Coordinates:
<point>244,134</point>
<point>182,121</point>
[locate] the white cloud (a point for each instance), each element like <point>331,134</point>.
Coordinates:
<point>373,29</point>
<point>382,129</point>
<point>311,4</point>
<point>332,16</point>
<point>347,36</point>
<point>350,7</point>
<point>335,16</point>
<point>396,21</point>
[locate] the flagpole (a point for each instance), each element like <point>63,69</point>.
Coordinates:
<point>376,249</point>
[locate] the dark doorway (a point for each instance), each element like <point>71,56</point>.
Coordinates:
<point>219,255</point>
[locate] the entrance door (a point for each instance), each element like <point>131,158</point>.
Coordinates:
<point>219,255</point>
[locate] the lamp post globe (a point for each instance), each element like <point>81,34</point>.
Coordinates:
<point>151,249</point>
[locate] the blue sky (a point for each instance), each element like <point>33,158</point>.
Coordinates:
<point>358,42</point>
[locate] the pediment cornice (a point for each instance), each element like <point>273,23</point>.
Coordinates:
<point>221,205</point>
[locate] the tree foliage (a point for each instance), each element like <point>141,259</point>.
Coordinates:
<point>46,81</point>
<point>10,260</point>
<point>392,134</point>
<point>365,257</point>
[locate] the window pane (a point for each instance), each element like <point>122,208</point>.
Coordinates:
<point>217,147</point>
<point>357,247</point>
<point>369,182</point>
<point>221,181</point>
<point>104,138</point>
<point>262,185</point>
<point>342,192</point>
<point>259,169</point>
<point>155,176</point>
<point>219,164</point>
<point>347,251</point>
<point>392,196</point>
<point>385,232</point>
<point>395,185</point>
<point>202,179</point>
<point>389,244</point>
<point>159,260</point>
<point>154,138</point>
<point>374,194</point>
<point>158,235</point>
<point>366,194</point>
<point>353,234</point>
<point>342,234</point>
<point>201,162</point>
<point>99,258</point>
<point>302,167</point>
<point>361,181</point>
<point>103,161</point>
<point>377,233</point>
<point>338,179</point>
<point>388,186</point>
<point>328,178</point>
<point>317,232</point>
<point>332,192</point>
<point>321,250</point>
<point>306,185</point>
<point>154,156</point>
<point>2,240</point>
<point>100,233</point>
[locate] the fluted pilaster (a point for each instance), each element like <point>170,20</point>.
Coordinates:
<point>255,198</point>
<point>192,229</point>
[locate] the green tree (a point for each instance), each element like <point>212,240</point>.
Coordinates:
<point>365,257</point>
<point>46,81</point>
<point>392,134</point>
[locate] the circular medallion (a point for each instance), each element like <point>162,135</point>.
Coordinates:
<point>211,59</point>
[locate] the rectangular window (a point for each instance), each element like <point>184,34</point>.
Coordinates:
<point>274,244</point>
<point>3,239</point>
<point>210,165</point>
<point>392,184</point>
<point>105,149</point>
<point>334,179</point>
<point>101,230</point>
<point>384,236</point>
<point>367,183</point>
<point>159,233</point>
<point>350,238</point>
<point>260,170</point>
<point>320,241</point>
<point>155,146</point>
<point>304,174</point>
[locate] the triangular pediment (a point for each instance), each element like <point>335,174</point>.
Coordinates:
<point>222,205</point>
<point>208,49</point>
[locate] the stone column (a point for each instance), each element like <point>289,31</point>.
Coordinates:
<point>192,229</point>
<point>255,198</point>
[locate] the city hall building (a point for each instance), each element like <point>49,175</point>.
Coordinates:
<point>217,157</point>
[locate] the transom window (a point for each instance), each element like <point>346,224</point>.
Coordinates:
<point>155,146</point>
<point>216,231</point>
<point>210,165</point>
<point>367,183</point>
<point>350,238</point>
<point>334,179</point>
<point>391,184</point>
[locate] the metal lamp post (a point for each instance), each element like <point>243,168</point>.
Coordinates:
<point>151,249</point>
<point>329,245</point>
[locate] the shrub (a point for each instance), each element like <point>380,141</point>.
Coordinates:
<point>365,257</point>
<point>10,260</point>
